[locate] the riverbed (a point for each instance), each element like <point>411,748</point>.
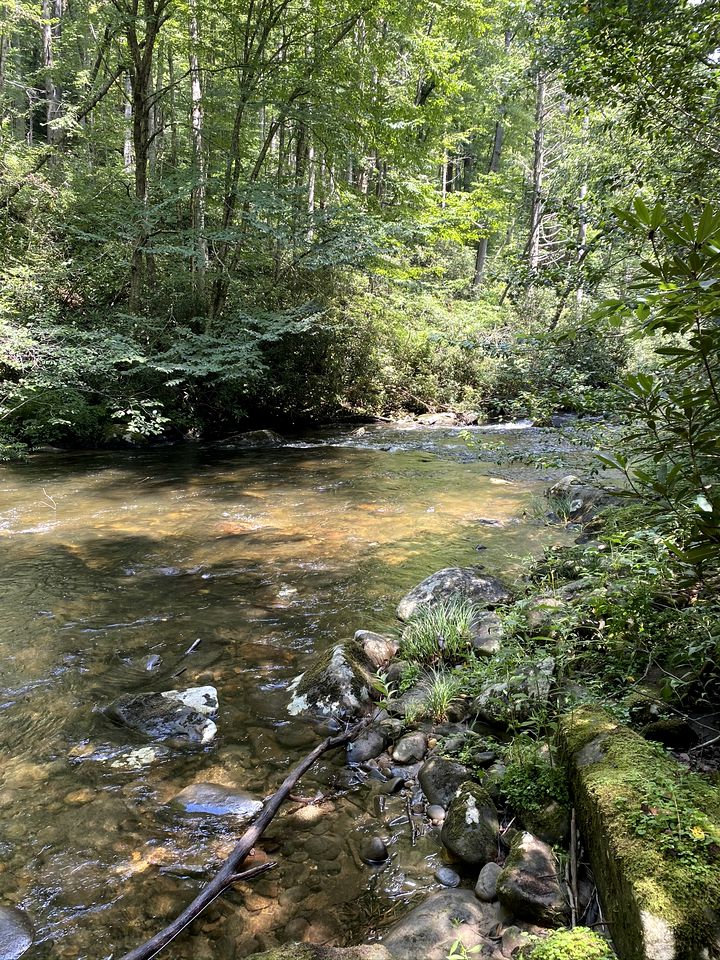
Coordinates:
<point>114,565</point>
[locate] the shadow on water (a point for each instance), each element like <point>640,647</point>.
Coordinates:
<point>111,559</point>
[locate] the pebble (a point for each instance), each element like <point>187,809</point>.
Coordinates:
<point>374,850</point>
<point>436,812</point>
<point>78,797</point>
<point>447,877</point>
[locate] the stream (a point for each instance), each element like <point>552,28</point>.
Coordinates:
<point>114,564</point>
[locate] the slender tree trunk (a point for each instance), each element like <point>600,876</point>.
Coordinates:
<point>128,144</point>
<point>536,207</point>
<point>582,215</point>
<point>493,167</point>
<point>312,174</point>
<point>199,193</point>
<point>52,94</point>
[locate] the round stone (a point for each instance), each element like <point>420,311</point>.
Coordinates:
<point>447,877</point>
<point>374,850</point>
<point>436,812</point>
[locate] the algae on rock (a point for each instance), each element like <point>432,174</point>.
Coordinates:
<point>652,830</point>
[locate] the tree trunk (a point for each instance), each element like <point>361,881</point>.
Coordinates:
<point>199,192</point>
<point>127,146</point>
<point>494,165</point>
<point>536,208</point>
<point>582,215</point>
<point>49,13</point>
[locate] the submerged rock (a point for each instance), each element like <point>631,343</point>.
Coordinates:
<point>440,779</point>
<point>173,713</point>
<point>451,582</point>
<point>374,850</point>
<point>312,951</point>
<point>471,829</point>
<point>16,933</point>
<point>529,885</point>
<point>338,684</point>
<point>216,799</point>
<point>428,931</point>
<point>516,698</point>
<point>251,438</point>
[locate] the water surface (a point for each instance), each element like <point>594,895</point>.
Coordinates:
<point>114,562</point>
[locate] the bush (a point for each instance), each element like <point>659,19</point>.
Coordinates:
<point>577,944</point>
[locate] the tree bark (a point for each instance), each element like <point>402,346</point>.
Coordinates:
<point>50,12</point>
<point>536,208</point>
<point>198,200</point>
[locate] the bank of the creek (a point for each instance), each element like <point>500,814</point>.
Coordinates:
<point>115,564</point>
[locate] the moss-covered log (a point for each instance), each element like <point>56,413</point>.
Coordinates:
<point>652,830</point>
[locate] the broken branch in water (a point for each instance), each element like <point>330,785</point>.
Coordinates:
<point>228,873</point>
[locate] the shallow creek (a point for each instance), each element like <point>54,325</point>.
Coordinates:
<point>114,562</point>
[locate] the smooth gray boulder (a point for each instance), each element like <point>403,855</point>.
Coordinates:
<point>486,886</point>
<point>337,684</point>
<point>413,746</point>
<point>576,500</point>
<point>172,713</point>
<point>529,885</point>
<point>218,800</point>
<point>450,582</point>
<point>441,778</point>
<point>367,745</point>
<point>16,933</point>
<point>471,829</point>
<point>378,649</point>
<point>428,931</point>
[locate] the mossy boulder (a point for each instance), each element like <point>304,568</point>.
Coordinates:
<point>471,829</point>
<point>652,831</point>
<point>337,684</point>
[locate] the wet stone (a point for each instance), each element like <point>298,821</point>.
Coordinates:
<point>436,813</point>
<point>393,786</point>
<point>486,886</point>
<point>374,850</point>
<point>173,713</point>
<point>447,877</point>
<point>217,800</point>
<point>16,933</point>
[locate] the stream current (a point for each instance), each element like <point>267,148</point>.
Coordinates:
<point>113,565</point>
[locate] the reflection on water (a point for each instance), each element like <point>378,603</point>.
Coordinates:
<point>112,566</point>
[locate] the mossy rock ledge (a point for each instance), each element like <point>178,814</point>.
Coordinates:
<point>650,828</point>
<point>338,683</point>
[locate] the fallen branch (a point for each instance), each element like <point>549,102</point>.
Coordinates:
<point>228,874</point>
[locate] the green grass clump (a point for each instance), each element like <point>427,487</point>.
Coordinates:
<point>439,634</point>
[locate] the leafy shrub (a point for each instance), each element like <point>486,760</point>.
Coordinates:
<point>532,780</point>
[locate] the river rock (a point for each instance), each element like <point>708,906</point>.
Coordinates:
<point>516,698</point>
<point>428,931</point>
<point>440,779</point>
<point>551,823</point>
<point>251,438</point>
<point>486,886</point>
<point>173,713</point>
<point>485,633</point>
<point>216,799</point>
<point>453,582</point>
<point>447,877</point>
<point>16,933</point>
<point>578,501</point>
<point>413,746</point>
<point>436,813</point>
<point>529,885</point>
<point>374,850</point>
<point>337,684</point>
<point>378,649</point>
<point>369,744</point>
<point>471,829</point>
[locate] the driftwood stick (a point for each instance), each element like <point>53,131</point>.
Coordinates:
<point>228,873</point>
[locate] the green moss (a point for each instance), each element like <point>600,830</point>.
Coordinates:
<point>653,829</point>
<point>577,944</point>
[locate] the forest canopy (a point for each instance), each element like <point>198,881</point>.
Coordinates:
<point>219,210</point>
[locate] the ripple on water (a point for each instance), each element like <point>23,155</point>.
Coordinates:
<point>263,557</point>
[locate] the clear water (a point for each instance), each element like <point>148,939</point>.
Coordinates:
<point>109,559</point>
